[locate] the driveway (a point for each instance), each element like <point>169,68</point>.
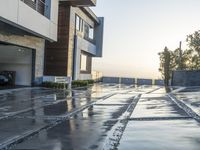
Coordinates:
<point>104,116</point>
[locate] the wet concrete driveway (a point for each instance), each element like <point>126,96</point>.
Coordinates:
<point>103,116</point>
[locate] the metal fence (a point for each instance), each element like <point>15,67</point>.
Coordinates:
<point>131,81</point>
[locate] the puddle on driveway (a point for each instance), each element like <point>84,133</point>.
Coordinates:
<point>25,94</point>
<point>59,108</point>
<point>17,105</point>
<point>86,130</point>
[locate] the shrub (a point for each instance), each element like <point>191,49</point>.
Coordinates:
<point>75,84</point>
<point>79,83</point>
<point>90,81</point>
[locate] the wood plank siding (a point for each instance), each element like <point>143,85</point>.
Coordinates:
<point>56,53</point>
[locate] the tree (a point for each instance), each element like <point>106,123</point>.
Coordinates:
<point>181,60</point>
<point>193,41</point>
<point>166,65</point>
<point>170,61</point>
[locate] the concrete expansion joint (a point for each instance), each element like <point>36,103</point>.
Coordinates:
<point>116,133</point>
<point>159,118</point>
<point>153,90</point>
<point>184,107</point>
<point>107,96</point>
<point>178,90</point>
<point>112,104</point>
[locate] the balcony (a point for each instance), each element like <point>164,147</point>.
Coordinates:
<point>38,5</point>
<point>23,15</point>
<point>81,3</point>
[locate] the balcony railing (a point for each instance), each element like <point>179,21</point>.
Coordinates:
<point>38,5</point>
<point>83,3</point>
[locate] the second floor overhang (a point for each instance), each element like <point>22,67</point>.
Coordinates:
<point>81,3</point>
<point>38,19</point>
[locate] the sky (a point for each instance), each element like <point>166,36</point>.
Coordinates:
<point>136,30</point>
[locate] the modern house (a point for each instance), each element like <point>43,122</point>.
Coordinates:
<point>24,27</point>
<point>80,39</point>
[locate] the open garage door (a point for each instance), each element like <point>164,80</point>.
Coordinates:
<point>18,59</point>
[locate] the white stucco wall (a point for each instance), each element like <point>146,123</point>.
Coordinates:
<point>17,13</point>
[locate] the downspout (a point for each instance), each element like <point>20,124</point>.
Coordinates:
<point>74,74</point>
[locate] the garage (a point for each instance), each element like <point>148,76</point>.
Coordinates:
<point>18,60</point>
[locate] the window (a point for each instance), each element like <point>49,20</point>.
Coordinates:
<point>83,62</point>
<point>78,23</point>
<point>91,33</point>
<point>82,23</point>
<point>86,32</point>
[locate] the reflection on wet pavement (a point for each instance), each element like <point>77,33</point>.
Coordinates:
<point>89,128</point>
<point>60,108</point>
<point>103,116</point>
<point>18,105</point>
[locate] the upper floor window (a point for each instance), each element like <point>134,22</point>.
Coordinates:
<point>91,33</point>
<point>86,30</point>
<point>78,23</point>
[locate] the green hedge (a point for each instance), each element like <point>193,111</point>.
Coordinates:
<point>75,84</point>
<point>81,83</point>
<point>90,81</point>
